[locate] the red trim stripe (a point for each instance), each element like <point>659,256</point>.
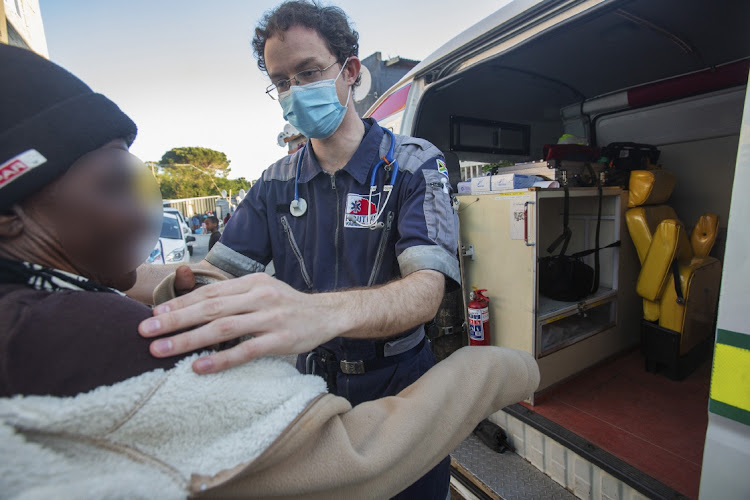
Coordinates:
<point>701,82</point>
<point>392,104</point>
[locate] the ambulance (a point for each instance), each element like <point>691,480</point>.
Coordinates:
<point>665,78</point>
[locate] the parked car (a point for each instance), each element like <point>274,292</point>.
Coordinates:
<point>183,222</point>
<point>172,245</point>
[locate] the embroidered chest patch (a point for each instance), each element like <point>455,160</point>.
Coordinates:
<point>361,210</point>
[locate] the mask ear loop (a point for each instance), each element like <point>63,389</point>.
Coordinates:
<point>351,91</point>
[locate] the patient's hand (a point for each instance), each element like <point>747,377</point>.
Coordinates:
<point>184,281</point>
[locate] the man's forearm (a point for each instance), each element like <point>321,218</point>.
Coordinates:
<point>283,320</point>
<point>386,310</point>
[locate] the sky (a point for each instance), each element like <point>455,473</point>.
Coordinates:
<point>184,70</point>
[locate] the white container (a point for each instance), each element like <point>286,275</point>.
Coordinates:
<point>464,187</point>
<point>504,182</point>
<point>481,184</point>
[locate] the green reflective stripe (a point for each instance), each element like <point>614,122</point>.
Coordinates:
<point>730,376</point>
<point>729,411</point>
<point>735,339</point>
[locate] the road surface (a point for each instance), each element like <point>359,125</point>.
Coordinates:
<point>200,248</point>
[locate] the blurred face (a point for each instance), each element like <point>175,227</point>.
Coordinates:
<point>211,225</point>
<point>96,215</point>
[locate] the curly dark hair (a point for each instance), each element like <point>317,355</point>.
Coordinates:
<point>330,22</point>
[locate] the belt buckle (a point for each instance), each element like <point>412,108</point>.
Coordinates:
<point>352,367</point>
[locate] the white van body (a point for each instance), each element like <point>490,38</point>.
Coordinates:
<point>672,73</point>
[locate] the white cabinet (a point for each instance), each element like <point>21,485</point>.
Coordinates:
<point>503,235</point>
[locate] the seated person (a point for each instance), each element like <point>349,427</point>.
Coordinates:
<point>86,411</point>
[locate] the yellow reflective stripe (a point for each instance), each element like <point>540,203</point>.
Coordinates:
<point>730,381</point>
<point>730,377</point>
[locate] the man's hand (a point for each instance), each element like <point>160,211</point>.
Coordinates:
<point>281,320</point>
<point>285,321</point>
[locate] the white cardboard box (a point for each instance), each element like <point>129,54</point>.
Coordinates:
<point>481,184</point>
<point>504,182</point>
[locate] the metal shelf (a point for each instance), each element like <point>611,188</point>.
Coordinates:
<point>550,310</point>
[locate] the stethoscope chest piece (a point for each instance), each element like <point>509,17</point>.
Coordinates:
<point>298,207</point>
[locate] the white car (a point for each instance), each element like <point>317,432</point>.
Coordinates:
<point>185,226</point>
<point>172,245</point>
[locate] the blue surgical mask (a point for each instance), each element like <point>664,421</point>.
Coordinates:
<point>314,109</point>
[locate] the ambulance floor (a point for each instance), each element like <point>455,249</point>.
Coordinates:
<point>502,475</point>
<point>650,422</point>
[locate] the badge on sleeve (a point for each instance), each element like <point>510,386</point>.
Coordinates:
<point>442,168</point>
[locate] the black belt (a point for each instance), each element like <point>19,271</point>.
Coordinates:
<point>361,366</point>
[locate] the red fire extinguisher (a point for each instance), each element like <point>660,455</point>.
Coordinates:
<point>479,318</point>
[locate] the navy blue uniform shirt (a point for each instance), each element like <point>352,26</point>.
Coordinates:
<point>325,250</point>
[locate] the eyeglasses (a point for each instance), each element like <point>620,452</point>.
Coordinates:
<point>302,78</point>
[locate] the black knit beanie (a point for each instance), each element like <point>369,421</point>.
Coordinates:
<point>48,120</point>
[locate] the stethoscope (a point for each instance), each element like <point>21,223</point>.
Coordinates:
<point>298,207</point>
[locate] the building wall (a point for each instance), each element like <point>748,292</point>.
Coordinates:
<point>192,206</point>
<point>24,25</point>
<point>384,74</point>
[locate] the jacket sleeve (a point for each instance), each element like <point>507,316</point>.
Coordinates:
<point>378,448</point>
<point>427,223</point>
<point>237,252</point>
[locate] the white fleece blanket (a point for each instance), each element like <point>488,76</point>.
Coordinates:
<point>145,436</point>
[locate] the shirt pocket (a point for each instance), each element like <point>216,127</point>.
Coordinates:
<point>296,251</point>
<point>382,247</point>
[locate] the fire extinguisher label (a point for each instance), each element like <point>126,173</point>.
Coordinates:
<point>477,318</point>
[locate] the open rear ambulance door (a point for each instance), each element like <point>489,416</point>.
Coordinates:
<point>726,457</point>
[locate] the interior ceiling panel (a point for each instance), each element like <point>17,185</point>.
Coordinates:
<point>602,53</point>
<point>495,89</point>
<point>611,51</point>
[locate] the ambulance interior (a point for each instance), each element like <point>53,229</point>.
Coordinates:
<point>672,74</point>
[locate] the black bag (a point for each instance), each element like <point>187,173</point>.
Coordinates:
<point>631,156</point>
<point>567,277</point>
<point>493,436</point>
<point>624,157</point>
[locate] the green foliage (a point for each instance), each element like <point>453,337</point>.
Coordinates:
<point>192,172</point>
<point>493,168</point>
<point>183,181</point>
<point>233,186</point>
<point>204,158</point>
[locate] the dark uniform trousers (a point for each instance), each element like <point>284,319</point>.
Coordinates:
<point>389,381</point>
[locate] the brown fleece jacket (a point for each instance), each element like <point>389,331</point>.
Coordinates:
<point>378,448</point>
